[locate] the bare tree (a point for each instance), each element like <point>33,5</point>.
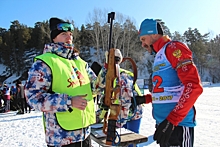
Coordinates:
<point>97,19</point>
<point>117,29</point>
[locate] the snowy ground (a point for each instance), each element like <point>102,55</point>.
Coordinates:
<point>27,130</point>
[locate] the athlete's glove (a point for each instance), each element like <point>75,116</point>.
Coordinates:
<point>145,99</point>
<point>163,132</point>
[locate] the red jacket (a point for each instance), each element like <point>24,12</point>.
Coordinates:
<point>6,92</point>
<point>177,54</point>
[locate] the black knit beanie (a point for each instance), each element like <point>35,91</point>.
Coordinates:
<point>53,23</point>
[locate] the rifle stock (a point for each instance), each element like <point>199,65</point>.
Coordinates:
<point>110,77</point>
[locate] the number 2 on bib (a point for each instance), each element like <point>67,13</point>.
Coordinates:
<point>158,80</point>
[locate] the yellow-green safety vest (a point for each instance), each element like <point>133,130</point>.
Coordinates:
<point>70,77</point>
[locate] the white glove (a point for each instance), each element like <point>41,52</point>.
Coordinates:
<point>106,57</point>
<point>118,54</point>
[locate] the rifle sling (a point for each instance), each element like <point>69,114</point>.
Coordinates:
<point>134,66</point>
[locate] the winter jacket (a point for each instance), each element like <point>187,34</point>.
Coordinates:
<point>40,96</point>
<point>78,85</point>
<point>176,83</point>
<point>20,91</point>
<point>6,92</point>
<point>128,91</point>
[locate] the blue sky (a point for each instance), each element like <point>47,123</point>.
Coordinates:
<point>178,15</point>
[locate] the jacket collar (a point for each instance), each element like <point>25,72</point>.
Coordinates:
<point>61,49</point>
<point>161,42</point>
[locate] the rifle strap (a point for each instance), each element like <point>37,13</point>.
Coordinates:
<point>134,67</point>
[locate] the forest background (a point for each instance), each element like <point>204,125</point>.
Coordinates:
<point>20,44</point>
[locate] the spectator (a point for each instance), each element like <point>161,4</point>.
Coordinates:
<point>26,105</point>
<point>20,96</point>
<point>1,98</point>
<point>6,91</point>
<point>1,95</point>
<point>13,103</point>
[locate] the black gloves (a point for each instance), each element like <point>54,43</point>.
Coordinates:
<point>96,67</point>
<point>163,132</point>
<point>139,100</point>
<point>145,99</point>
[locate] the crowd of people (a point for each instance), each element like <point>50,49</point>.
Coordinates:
<point>13,99</point>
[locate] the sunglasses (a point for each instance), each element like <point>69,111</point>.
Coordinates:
<point>64,27</point>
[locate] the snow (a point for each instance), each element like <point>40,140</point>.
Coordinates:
<point>27,130</point>
<point>9,81</point>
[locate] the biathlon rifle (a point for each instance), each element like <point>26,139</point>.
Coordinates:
<point>112,92</point>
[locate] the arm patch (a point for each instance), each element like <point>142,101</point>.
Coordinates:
<point>184,62</point>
